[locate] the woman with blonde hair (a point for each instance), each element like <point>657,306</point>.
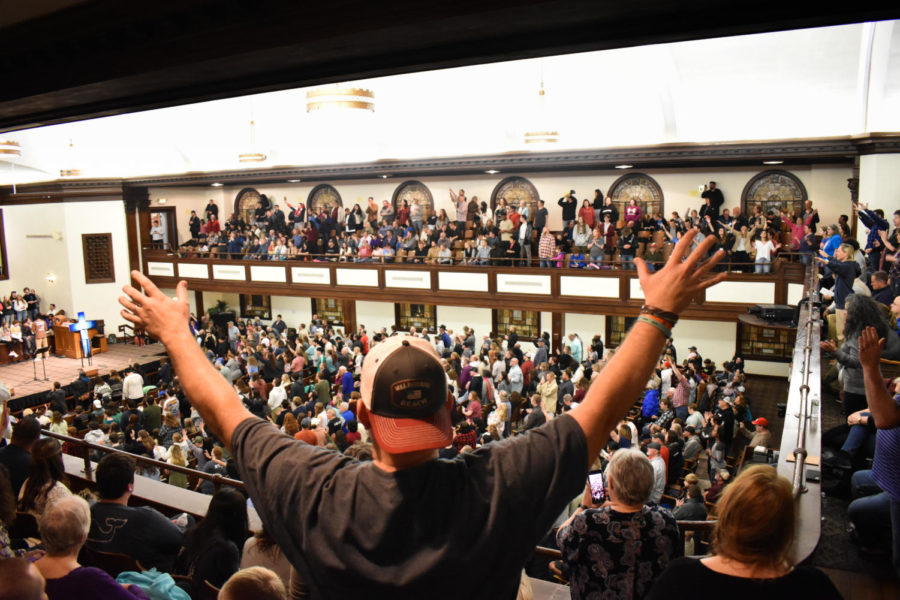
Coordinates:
<point>752,543</point>
<point>177,458</point>
<point>58,424</point>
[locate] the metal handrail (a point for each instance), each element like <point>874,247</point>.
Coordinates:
<point>215,478</point>
<point>798,483</point>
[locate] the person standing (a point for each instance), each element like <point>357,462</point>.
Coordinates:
<point>713,198</point>
<point>524,237</point>
<point>212,211</point>
<point>540,217</point>
<point>461,205</point>
<point>569,206</point>
<point>597,205</point>
<point>133,386</point>
<point>406,408</point>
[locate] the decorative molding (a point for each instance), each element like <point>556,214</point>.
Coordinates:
<point>841,150</point>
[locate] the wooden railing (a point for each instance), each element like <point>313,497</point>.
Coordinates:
<point>85,449</point>
<point>595,291</point>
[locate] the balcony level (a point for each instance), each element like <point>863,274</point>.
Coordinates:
<point>603,292</point>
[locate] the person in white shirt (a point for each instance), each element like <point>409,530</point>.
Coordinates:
<point>133,386</point>
<point>659,472</point>
<point>764,249</point>
<point>278,393</point>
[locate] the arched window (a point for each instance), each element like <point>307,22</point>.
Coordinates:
<point>516,191</point>
<point>323,196</point>
<point>775,190</point>
<point>414,191</point>
<point>643,188</point>
<point>246,203</point>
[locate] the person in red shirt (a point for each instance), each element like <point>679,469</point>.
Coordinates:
<point>363,340</point>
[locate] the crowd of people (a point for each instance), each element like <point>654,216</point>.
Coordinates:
<point>600,233</point>
<point>289,409</point>
<point>24,328</point>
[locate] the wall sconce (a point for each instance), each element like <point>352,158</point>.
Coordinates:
<point>51,278</point>
<point>162,200</point>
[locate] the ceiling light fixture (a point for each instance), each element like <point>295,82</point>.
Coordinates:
<point>624,166</point>
<point>253,155</point>
<point>773,162</point>
<point>542,134</point>
<point>10,149</point>
<point>492,171</point>
<point>71,158</point>
<point>340,97</point>
<point>293,181</point>
<point>162,200</point>
<point>217,184</point>
<point>384,176</point>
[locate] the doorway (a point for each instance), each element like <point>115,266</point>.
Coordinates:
<point>165,217</point>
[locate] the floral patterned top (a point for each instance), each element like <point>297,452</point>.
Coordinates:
<point>615,555</point>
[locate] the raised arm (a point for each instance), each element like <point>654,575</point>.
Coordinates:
<point>883,408</point>
<point>167,319</point>
<point>623,379</point>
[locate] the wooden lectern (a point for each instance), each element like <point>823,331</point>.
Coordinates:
<point>68,343</point>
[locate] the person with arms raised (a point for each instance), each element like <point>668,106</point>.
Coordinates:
<point>381,543</point>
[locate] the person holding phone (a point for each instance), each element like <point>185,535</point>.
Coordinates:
<point>616,545</point>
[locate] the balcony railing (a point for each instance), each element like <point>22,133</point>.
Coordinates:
<point>531,287</point>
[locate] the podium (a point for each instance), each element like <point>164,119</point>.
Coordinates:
<point>68,343</point>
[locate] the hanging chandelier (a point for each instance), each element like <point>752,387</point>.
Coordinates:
<point>253,156</point>
<point>72,171</point>
<point>10,149</point>
<point>339,97</point>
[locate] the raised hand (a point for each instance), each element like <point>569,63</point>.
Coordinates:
<point>682,279</point>
<point>163,317</point>
<point>870,347</point>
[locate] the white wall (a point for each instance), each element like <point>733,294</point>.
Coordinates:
<point>97,299</point>
<point>294,311</point>
<point>715,340</point>
<point>879,185</point>
<point>586,326</point>
<point>32,259</point>
<point>455,317</point>
<point>375,315</point>
<point>826,185</point>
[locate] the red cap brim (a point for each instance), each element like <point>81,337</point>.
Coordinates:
<point>398,436</point>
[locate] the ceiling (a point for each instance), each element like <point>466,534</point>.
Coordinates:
<point>72,60</point>
<point>64,60</point>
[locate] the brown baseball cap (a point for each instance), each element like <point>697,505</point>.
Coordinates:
<point>404,388</point>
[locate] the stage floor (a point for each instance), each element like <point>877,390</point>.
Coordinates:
<point>20,375</point>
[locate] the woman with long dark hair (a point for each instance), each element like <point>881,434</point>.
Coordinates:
<point>861,311</point>
<point>212,548</point>
<point>47,480</point>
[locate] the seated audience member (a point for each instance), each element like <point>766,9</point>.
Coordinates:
<point>752,542</point>
<point>260,550</point>
<point>378,544</point>
<point>64,528</point>
<point>47,479</point>
<point>691,508</point>
<point>16,456</point>
<point>875,512</point>
<point>21,580</point>
<point>212,547</point>
<point>253,583</point>
<point>141,532</point>
<point>617,550</point>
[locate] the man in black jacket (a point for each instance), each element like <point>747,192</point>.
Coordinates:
<point>714,199</point>
<point>569,206</point>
